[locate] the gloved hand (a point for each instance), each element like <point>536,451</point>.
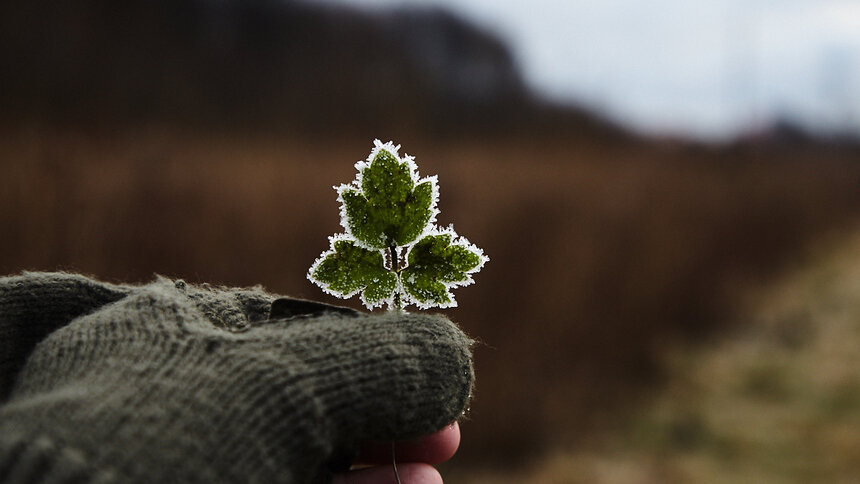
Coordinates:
<point>170,382</point>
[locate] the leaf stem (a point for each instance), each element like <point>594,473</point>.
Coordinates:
<point>397,304</point>
<point>394,463</point>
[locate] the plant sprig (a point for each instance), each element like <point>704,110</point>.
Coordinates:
<point>392,251</point>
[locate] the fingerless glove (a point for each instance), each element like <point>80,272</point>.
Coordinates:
<point>171,382</point>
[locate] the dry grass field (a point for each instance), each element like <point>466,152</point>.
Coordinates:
<point>774,401</point>
<point>602,255</point>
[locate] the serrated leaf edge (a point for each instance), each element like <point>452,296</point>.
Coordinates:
<point>325,287</point>
<point>457,240</point>
<point>355,184</point>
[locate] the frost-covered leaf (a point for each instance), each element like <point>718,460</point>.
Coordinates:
<point>347,269</point>
<point>389,213</point>
<point>387,205</point>
<point>437,263</point>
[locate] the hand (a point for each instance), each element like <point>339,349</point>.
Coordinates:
<point>415,459</point>
<point>179,383</point>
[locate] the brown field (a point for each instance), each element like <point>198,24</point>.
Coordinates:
<point>601,256</point>
<point>776,400</point>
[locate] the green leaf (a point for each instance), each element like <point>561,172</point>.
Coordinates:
<point>387,205</point>
<point>435,265</point>
<point>389,215</point>
<point>347,269</point>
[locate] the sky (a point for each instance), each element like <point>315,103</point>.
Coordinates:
<point>711,69</point>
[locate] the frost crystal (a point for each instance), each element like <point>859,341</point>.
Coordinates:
<point>388,211</point>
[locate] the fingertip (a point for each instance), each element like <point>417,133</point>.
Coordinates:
<point>442,445</point>
<point>430,449</point>
<point>413,473</point>
<point>419,473</point>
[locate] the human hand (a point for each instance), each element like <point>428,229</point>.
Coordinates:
<point>181,383</point>
<point>415,459</point>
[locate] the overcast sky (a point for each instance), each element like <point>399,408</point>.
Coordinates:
<point>708,68</point>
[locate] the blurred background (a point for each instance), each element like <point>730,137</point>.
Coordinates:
<point>668,192</point>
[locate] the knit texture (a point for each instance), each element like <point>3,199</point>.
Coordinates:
<point>180,383</point>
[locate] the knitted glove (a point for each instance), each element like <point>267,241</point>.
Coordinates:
<point>171,382</point>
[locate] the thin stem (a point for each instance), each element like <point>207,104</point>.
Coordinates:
<point>398,306</point>
<point>394,463</point>
<point>395,266</point>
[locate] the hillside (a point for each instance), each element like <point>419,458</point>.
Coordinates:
<point>265,64</point>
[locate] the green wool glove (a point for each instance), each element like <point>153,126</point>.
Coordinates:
<point>170,382</point>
